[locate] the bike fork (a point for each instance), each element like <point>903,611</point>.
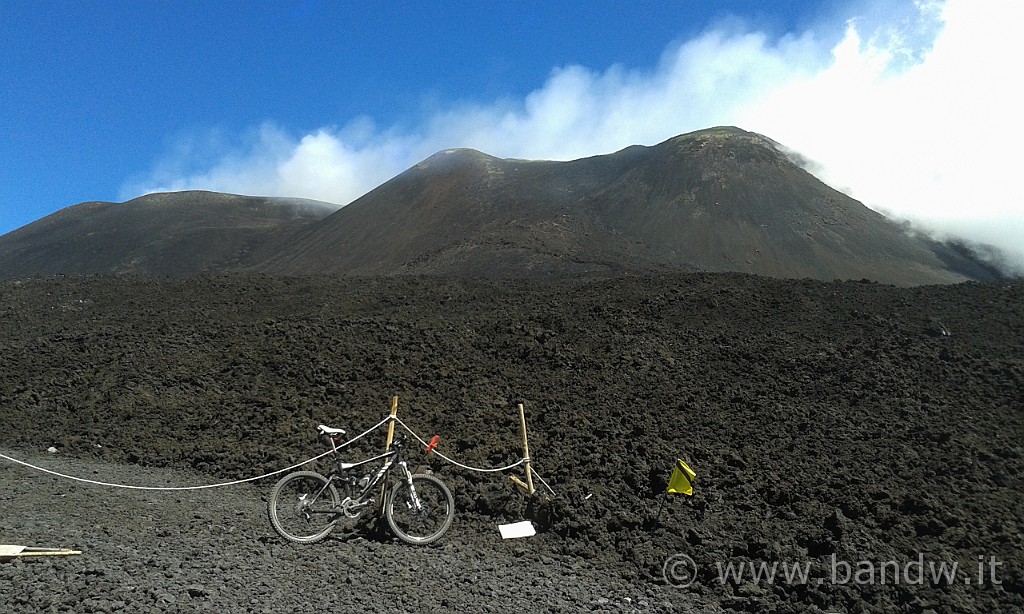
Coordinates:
<point>412,489</point>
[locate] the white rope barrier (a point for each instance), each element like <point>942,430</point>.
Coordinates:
<point>232,483</point>
<point>537,475</point>
<point>455,462</point>
<point>279,471</point>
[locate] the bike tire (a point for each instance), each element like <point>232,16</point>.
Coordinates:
<point>294,516</point>
<point>424,526</point>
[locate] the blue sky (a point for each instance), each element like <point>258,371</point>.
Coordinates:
<point>907,105</point>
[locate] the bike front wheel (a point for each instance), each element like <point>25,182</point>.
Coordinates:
<point>304,507</point>
<point>422,518</point>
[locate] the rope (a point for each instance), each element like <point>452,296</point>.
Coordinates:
<point>454,462</point>
<point>537,475</point>
<point>279,471</point>
<point>267,475</point>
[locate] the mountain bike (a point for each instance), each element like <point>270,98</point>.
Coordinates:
<point>305,506</point>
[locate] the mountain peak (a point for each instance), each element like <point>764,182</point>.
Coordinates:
<point>459,155</point>
<point>720,136</point>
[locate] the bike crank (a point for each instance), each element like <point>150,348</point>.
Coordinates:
<point>353,507</point>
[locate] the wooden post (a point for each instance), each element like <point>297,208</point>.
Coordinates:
<point>387,445</point>
<point>391,424</point>
<point>526,450</point>
<point>528,486</point>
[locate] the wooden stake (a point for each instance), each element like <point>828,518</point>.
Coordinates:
<point>387,444</point>
<point>391,423</point>
<point>528,486</point>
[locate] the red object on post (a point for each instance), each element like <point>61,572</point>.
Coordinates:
<point>433,443</point>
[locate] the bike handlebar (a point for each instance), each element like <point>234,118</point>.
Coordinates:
<point>399,441</point>
<point>332,437</point>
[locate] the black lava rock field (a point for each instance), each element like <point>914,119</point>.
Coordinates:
<point>860,438</point>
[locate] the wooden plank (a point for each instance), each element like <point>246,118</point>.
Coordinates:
<point>520,483</point>
<point>11,551</point>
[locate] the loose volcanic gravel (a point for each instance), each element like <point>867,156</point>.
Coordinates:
<point>850,427</point>
<point>212,550</point>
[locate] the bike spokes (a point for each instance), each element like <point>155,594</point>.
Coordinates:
<point>421,516</point>
<point>304,507</point>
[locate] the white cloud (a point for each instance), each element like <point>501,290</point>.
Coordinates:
<point>329,164</point>
<point>932,140</point>
<point>910,109</point>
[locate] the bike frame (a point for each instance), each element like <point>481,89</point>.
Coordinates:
<point>392,457</point>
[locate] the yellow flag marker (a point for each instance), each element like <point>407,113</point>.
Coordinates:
<point>682,479</point>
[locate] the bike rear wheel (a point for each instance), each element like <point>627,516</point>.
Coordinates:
<point>303,507</point>
<point>427,523</point>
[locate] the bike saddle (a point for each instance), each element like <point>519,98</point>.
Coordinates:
<point>330,430</point>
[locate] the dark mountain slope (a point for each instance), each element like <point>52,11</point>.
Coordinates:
<point>466,213</point>
<point>174,234</point>
<point>720,200</point>
<point>728,200</point>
